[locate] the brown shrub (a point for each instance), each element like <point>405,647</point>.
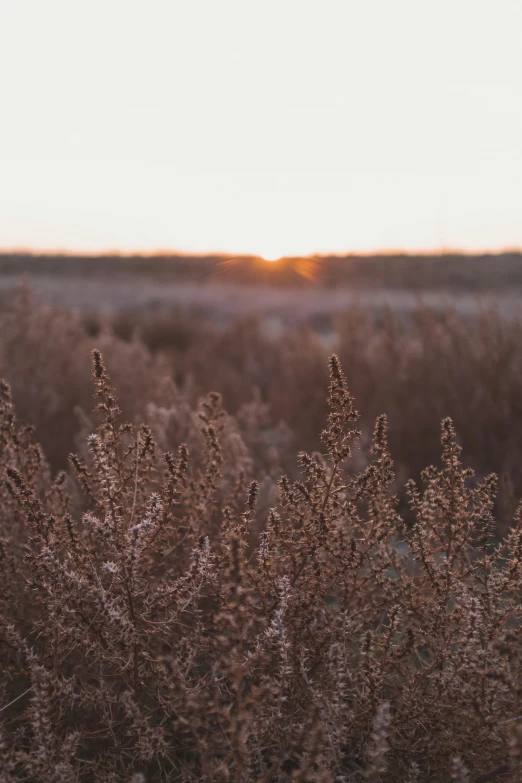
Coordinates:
<point>44,354</point>
<point>155,622</point>
<point>416,369</point>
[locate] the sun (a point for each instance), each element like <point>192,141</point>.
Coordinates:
<point>270,255</point>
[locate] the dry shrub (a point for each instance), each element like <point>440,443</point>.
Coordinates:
<point>44,354</point>
<point>156,624</point>
<point>416,369</point>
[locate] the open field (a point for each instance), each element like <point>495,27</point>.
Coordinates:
<point>217,566</point>
<point>444,272</point>
<point>278,294</point>
<point>223,302</point>
<point>415,354</point>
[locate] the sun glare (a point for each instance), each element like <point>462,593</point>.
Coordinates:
<point>271,252</point>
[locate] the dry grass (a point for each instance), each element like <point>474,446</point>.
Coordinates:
<point>166,615</point>
<point>416,369</point>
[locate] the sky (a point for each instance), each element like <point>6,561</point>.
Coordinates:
<point>273,127</point>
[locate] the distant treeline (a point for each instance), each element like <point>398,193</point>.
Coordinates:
<point>478,273</point>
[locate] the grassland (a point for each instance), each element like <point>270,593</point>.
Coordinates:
<point>231,569</point>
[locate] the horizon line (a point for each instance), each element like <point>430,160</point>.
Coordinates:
<point>180,252</point>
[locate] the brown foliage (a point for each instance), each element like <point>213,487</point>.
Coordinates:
<point>156,620</point>
<point>416,369</point>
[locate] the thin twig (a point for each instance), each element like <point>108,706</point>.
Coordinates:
<point>17,698</point>
<point>135,480</point>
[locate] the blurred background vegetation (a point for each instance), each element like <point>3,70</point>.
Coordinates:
<point>420,338</point>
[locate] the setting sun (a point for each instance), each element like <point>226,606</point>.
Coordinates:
<point>270,258</point>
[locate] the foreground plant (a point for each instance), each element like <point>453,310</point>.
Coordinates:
<point>152,623</point>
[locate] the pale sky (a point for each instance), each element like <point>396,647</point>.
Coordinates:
<point>272,127</point>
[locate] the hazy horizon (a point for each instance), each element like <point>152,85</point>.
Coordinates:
<point>181,252</point>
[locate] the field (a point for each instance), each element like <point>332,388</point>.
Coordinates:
<point>240,566</point>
